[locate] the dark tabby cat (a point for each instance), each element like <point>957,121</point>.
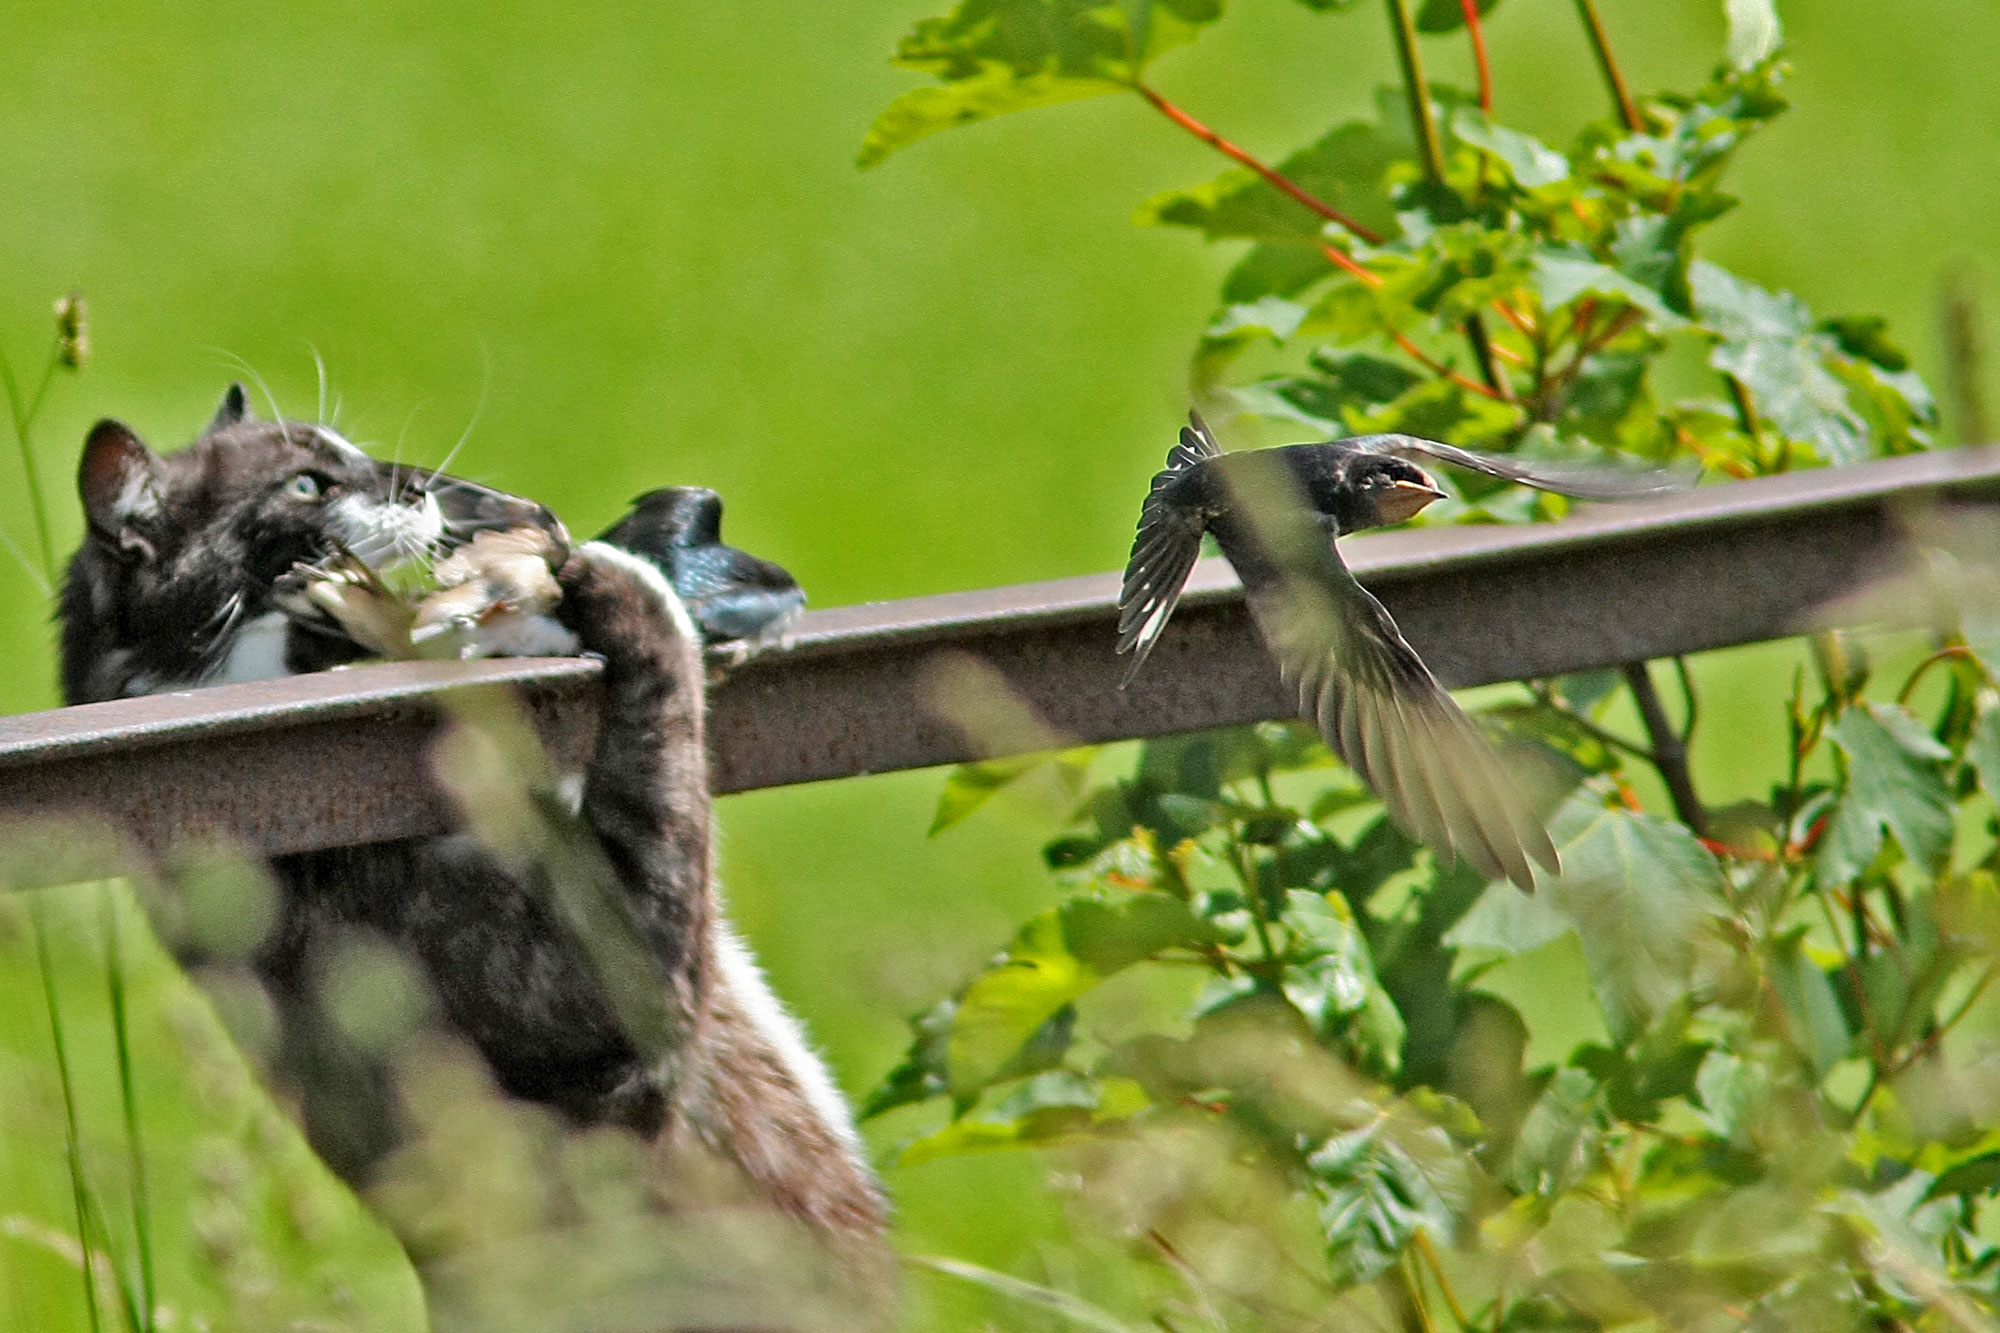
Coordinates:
<point>187,577</point>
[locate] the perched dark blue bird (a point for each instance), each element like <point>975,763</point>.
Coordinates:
<point>734,597</point>
<point>1275,514</point>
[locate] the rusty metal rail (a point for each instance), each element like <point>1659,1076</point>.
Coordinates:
<point>341,757</point>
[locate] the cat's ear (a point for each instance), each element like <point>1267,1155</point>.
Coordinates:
<point>119,481</point>
<point>235,407</point>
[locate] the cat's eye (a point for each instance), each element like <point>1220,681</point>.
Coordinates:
<point>305,486</point>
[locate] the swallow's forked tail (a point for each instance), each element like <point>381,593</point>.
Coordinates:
<point>1166,548</point>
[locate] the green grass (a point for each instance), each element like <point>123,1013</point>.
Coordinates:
<point>633,247</point>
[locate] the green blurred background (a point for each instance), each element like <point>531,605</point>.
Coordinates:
<point>617,247</point>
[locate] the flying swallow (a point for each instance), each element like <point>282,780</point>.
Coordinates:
<point>1275,513</point>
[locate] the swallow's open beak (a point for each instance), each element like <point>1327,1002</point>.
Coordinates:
<point>1406,499</point>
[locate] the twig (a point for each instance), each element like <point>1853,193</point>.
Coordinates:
<point>1670,755</point>
<point>1270,175</point>
<point>1747,418</point>
<point>1440,369</point>
<point>1602,735</point>
<point>1347,264</point>
<point>1423,1239</point>
<point>1688,701</point>
<point>1482,353</point>
<point>1945,654</point>
<point>1416,91</point>
<point>1628,110</point>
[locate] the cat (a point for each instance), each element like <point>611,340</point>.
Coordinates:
<point>189,575</point>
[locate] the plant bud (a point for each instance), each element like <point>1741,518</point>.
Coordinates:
<point>72,331</point>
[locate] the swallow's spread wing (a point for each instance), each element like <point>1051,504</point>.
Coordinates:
<point>1380,709</point>
<point>1584,481</point>
<point>1166,548</point>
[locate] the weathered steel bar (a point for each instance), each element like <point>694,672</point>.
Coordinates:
<point>342,757</point>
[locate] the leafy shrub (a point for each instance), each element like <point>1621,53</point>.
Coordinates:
<point>1260,1031</point>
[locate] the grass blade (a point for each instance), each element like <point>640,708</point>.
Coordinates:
<point>142,1226</point>
<point>37,915</point>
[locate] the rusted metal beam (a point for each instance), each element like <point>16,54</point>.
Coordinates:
<point>342,757</point>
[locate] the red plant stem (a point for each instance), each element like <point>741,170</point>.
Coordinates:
<point>1440,369</point>
<point>1709,458</point>
<point>1472,30</point>
<point>1628,110</point>
<point>1271,177</point>
<point>1521,323</point>
<point>1345,262</point>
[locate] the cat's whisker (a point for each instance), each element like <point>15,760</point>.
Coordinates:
<point>319,365</point>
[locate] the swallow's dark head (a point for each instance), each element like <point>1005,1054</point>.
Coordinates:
<point>1379,489</point>
<point>672,517</point>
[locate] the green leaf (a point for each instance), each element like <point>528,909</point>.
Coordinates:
<point>1638,891</point>
<point>1982,747</point>
<point>1813,1008</point>
<point>1560,1141</point>
<point>1438,409</point>
<point>971,785</point>
<point>1508,922</point>
<point>998,56</point>
<point>1867,338</point>
<point>1344,169</point>
<point>1893,782</point>
<point>1376,1194</point>
<point>1058,956</point>
<point>968,1136</point>
<point>1531,163</point>
<point>1769,343</point>
<point>1734,1094</point>
<point>921,1076</point>
<point>1661,1065</point>
<point>1329,976</point>
<point>1275,269</point>
<point>1448,15</point>
<point>1754,32</point>
<point>1565,273</point>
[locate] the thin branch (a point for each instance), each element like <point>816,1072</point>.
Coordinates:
<point>1472,30</point>
<point>1688,701</point>
<point>1628,110</point>
<point>1271,176</point>
<point>1670,754</point>
<point>1423,1238</point>
<point>1416,91</point>
<point>1547,697</point>
<point>1347,264</point>
<point>1440,369</point>
<point>1950,652</point>
<point>1482,353</point>
<point>1752,424</point>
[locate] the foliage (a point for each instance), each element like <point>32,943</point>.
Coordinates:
<point>1327,1113</point>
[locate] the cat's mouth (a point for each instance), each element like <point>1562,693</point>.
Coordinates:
<point>389,559</point>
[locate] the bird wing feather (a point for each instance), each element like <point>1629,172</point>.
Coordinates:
<point>1583,481</point>
<point>1164,551</point>
<point>1380,709</point>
